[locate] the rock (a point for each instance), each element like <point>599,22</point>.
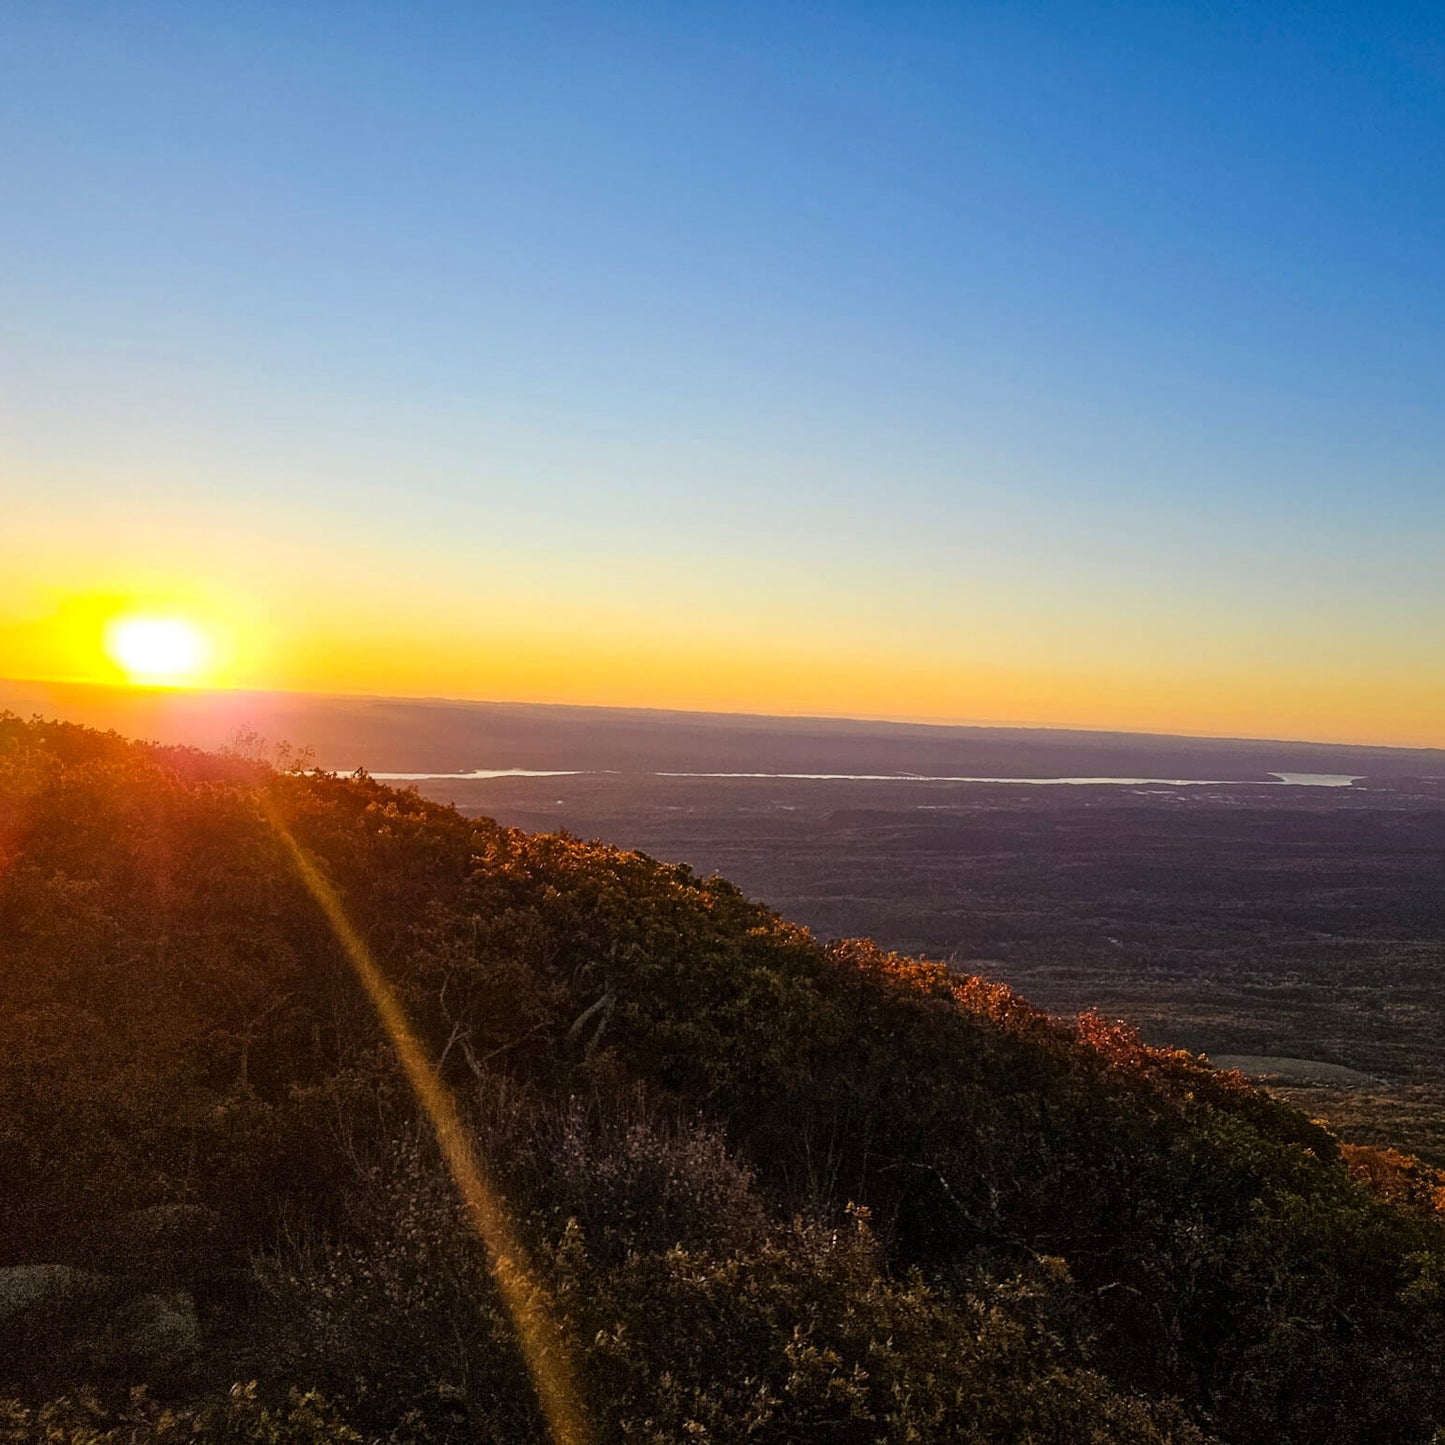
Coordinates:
<point>31,1286</point>
<point>51,1313</point>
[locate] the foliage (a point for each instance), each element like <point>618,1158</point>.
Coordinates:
<point>240,1419</point>
<point>776,1191</point>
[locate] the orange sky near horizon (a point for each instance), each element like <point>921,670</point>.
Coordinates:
<point>822,665</point>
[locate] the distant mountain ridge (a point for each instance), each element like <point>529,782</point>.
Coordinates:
<point>427,734</point>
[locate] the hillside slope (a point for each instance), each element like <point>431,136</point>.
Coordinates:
<point>775,1191</point>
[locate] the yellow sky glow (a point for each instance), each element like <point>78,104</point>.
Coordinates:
<point>435,645</point>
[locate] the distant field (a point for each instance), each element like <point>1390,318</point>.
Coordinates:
<point>1295,1071</point>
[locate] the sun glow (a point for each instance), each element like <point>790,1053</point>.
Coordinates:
<point>158,651</point>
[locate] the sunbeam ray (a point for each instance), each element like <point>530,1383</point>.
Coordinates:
<point>543,1344</point>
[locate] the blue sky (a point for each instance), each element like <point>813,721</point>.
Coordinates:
<point>1103,330</point>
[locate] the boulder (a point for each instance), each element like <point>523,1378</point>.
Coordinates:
<point>25,1287</point>
<point>53,1313</point>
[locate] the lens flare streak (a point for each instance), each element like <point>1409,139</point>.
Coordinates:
<point>541,1338</point>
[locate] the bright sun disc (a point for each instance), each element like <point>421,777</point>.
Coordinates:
<point>158,650</point>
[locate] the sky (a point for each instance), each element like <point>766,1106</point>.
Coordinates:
<point>1007,363</point>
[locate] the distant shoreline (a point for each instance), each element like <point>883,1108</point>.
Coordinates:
<point>1273,780</point>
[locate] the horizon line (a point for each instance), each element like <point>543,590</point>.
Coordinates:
<point>927,724</point>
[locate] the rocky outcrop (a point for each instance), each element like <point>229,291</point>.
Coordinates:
<point>51,1314</point>
<point>29,1287</point>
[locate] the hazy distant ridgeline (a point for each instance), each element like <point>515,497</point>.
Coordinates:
<point>409,735</point>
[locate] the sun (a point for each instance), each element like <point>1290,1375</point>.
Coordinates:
<point>157,651</point>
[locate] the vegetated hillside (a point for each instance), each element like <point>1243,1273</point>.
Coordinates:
<point>776,1191</point>
<point>1295,922</point>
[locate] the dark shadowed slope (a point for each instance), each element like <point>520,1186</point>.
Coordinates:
<point>775,1191</point>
